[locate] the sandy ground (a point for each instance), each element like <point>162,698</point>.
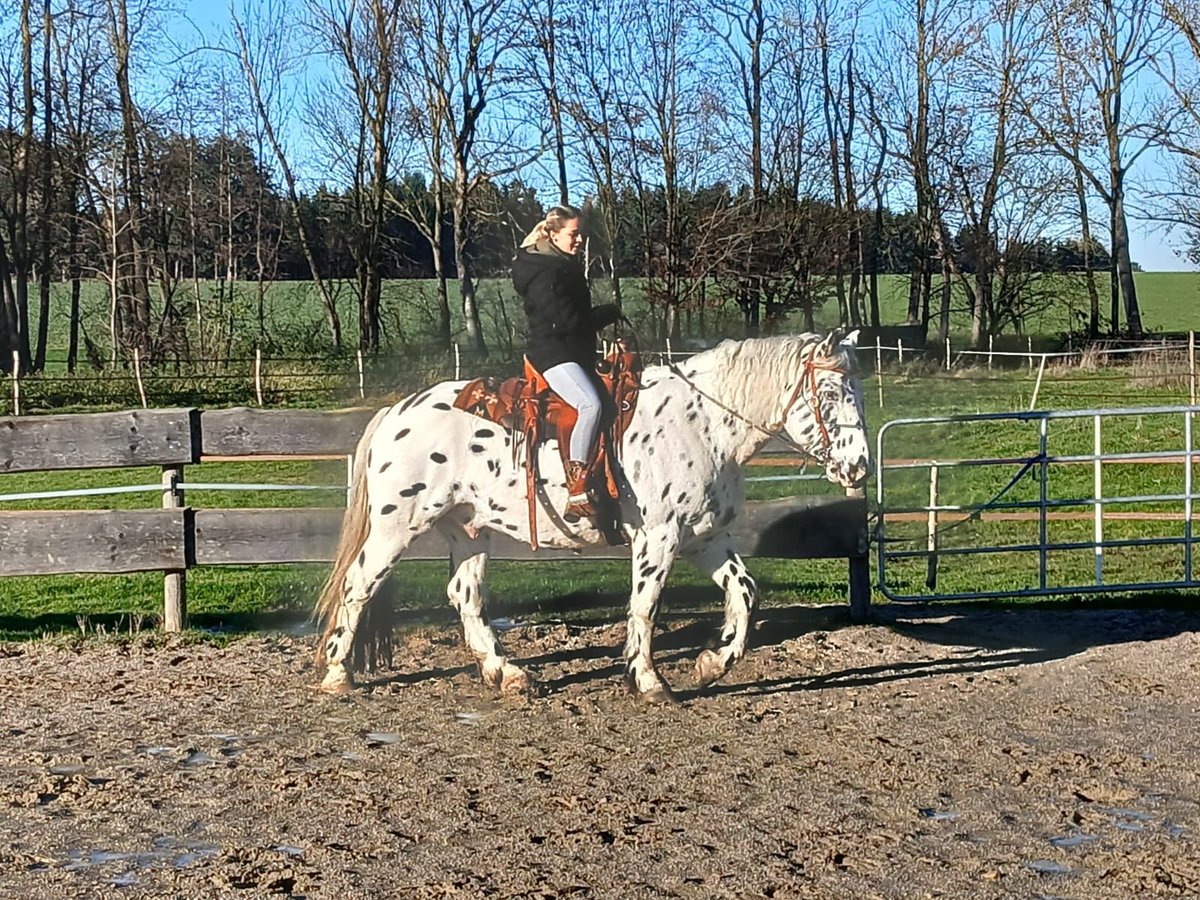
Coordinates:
<point>939,752</point>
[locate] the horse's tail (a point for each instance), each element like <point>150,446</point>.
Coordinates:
<point>355,525</point>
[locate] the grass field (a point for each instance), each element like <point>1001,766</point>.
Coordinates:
<point>242,598</point>
<point>295,324</point>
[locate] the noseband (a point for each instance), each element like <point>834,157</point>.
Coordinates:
<point>808,377</point>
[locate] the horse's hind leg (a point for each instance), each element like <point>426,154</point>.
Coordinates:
<point>716,558</point>
<point>468,594</point>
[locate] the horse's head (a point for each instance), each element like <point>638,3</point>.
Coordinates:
<point>824,415</point>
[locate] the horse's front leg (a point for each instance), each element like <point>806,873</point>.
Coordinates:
<point>654,551</point>
<point>717,558</point>
<point>468,594</point>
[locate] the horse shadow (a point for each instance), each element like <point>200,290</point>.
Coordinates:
<point>958,638</point>
<point>966,638</point>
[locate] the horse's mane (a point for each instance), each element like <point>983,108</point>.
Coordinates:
<point>749,375</point>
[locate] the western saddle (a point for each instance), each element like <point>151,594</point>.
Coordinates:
<point>528,408</point>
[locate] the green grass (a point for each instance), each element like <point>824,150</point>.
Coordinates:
<point>233,599</point>
<point>295,327</point>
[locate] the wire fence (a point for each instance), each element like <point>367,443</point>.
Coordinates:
<point>1167,365</point>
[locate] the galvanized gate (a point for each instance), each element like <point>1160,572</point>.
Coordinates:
<point>1036,503</point>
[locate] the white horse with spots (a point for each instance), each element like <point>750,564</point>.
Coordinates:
<point>423,464</point>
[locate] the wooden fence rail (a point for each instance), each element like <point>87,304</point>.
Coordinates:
<point>178,537</point>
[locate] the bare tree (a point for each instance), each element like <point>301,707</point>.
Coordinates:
<point>133,292</point>
<point>594,97</point>
<point>668,105</point>
<point>1179,70</point>
<point>364,41</point>
<point>264,57</point>
<point>751,57</point>
<point>545,25</point>
<point>1105,47</point>
<point>463,54</point>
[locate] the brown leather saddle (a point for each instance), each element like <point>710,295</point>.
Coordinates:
<point>528,408</point>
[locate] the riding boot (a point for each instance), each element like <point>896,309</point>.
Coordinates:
<point>579,500</point>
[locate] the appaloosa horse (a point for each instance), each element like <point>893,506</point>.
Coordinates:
<point>423,464</point>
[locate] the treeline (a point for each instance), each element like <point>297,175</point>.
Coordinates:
<point>777,155</point>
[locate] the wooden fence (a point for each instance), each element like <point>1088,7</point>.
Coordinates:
<point>178,537</point>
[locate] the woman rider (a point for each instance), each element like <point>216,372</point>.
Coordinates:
<point>548,274</point>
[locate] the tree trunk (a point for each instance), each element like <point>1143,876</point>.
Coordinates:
<point>332,318</point>
<point>1122,260</point>
<point>1089,274</point>
<point>44,273</point>
<point>466,283</point>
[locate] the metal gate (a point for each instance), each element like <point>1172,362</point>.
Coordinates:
<point>1036,503</point>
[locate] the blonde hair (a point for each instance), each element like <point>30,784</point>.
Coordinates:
<point>556,218</point>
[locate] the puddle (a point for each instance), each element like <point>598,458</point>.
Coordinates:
<point>937,815</point>
<point>1073,840</point>
<point>288,850</point>
<point>381,738</point>
<point>1176,831</point>
<point>468,718</point>
<point>503,623</point>
<point>167,851</point>
<point>67,769</point>
<point>1048,867</point>
<point>143,750</point>
<point>198,758</point>
<point>1129,826</point>
<point>1125,819</point>
<point>1124,813</point>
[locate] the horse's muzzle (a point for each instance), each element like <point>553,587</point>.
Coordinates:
<point>849,473</point>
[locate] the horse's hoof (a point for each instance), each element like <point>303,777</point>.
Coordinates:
<point>709,668</point>
<point>516,682</point>
<point>659,696</point>
<point>338,687</point>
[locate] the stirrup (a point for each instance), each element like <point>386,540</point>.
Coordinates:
<point>579,506</point>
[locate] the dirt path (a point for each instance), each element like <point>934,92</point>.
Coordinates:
<point>933,753</point>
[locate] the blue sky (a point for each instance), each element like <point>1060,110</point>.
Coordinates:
<point>1150,247</point>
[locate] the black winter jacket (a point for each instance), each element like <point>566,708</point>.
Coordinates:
<point>558,307</point>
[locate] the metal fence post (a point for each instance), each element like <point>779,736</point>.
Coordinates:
<point>174,582</point>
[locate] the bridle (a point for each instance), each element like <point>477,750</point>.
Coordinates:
<point>808,376</point>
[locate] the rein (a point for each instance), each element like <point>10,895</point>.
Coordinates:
<point>807,376</point>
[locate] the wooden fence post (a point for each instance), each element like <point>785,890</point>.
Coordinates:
<point>879,371</point>
<point>947,353</point>
<point>137,374</point>
<point>362,381</point>
<point>174,582</point>
<point>1037,385</point>
<point>991,341</point>
<point>1192,367</point>
<point>258,374</point>
<point>16,379</point>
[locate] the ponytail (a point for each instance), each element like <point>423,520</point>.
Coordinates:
<point>554,221</point>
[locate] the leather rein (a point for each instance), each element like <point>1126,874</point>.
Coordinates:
<point>808,377</point>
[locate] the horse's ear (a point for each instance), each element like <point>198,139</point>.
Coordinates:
<point>850,341</point>
<point>826,347</point>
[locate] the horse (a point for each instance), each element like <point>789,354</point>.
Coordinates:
<point>424,464</point>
